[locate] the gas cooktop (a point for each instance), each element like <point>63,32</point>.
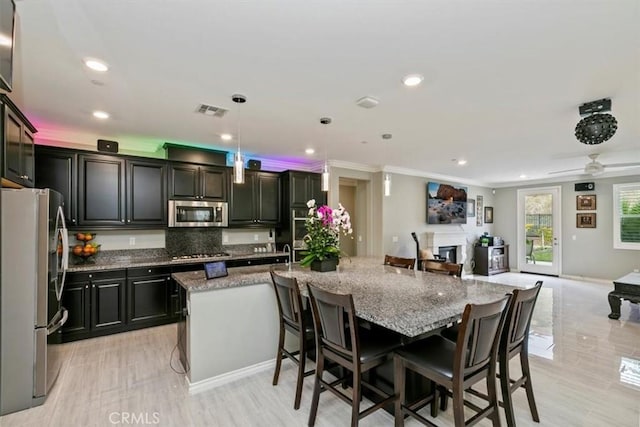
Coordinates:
<point>199,256</point>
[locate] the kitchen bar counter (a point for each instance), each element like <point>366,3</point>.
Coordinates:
<point>231,327</point>
<point>104,261</point>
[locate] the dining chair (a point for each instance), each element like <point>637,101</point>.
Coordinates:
<point>449,268</point>
<point>514,342</point>
<point>395,261</point>
<point>454,367</point>
<point>340,340</point>
<point>297,321</point>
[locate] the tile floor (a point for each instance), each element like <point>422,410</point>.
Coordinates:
<point>585,369</point>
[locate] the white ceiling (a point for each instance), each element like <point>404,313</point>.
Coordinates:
<point>503,79</point>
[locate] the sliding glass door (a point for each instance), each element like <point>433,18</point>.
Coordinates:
<point>539,230</point>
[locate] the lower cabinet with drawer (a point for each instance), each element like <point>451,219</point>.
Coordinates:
<point>149,296</point>
<point>96,304</point>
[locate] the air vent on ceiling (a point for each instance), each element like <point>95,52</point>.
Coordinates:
<point>211,110</point>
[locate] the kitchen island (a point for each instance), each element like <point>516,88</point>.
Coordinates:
<point>231,329</point>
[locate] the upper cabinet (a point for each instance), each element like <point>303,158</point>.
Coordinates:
<point>198,182</point>
<point>56,169</point>
<point>114,191</point>
<point>302,187</point>
<point>101,190</point>
<point>146,191</point>
<point>17,144</point>
<point>255,203</point>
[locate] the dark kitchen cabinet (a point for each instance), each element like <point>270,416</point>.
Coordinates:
<point>101,190</point>
<point>146,192</point>
<point>302,187</point>
<point>95,302</point>
<point>149,295</point>
<point>17,144</point>
<point>198,182</point>
<point>56,169</point>
<point>257,201</point>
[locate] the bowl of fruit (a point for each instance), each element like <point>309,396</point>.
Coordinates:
<point>87,249</point>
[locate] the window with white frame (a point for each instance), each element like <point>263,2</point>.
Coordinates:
<point>626,216</point>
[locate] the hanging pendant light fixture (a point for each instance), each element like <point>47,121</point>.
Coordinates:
<point>325,170</point>
<point>387,176</point>
<point>238,159</point>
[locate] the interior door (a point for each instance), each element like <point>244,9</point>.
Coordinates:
<point>539,220</point>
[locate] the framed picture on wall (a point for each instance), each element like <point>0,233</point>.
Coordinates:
<point>488,215</point>
<point>479,211</point>
<point>586,220</point>
<point>471,208</point>
<point>586,203</point>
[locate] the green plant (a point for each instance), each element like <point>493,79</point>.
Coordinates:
<point>324,226</point>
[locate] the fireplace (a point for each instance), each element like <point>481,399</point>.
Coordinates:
<point>455,243</point>
<point>448,253</point>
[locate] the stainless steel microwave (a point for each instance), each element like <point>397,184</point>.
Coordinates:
<point>187,213</point>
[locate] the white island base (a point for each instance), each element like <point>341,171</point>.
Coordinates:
<point>231,333</point>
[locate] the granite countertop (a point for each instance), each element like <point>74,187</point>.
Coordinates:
<point>406,301</point>
<point>108,261</point>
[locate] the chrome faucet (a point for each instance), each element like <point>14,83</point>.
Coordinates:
<point>286,248</point>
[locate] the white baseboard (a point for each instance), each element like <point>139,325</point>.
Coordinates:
<point>217,381</point>
<point>587,279</point>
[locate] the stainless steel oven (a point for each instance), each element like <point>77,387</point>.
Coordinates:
<point>188,213</point>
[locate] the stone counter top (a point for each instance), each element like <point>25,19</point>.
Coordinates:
<point>104,261</point>
<point>406,301</point>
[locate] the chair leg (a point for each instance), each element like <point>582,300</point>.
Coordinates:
<point>458,406</point>
<point>276,374</point>
<point>399,376</point>
<point>524,362</point>
<point>438,397</point>
<point>316,389</point>
<point>357,396</point>
<point>302,357</point>
<point>444,400</point>
<point>492,394</point>
<point>505,386</point>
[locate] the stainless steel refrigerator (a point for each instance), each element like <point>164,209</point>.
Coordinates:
<point>35,255</point>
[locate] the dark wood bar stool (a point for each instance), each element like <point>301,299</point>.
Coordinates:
<point>340,340</point>
<point>514,342</point>
<point>455,366</point>
<point>395,261</point>
<point>449,268</point>
<point>298,321</point>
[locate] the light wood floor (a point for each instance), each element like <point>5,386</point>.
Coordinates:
<point>585,369</point>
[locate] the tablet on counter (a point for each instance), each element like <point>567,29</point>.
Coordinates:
<point>215,269</point>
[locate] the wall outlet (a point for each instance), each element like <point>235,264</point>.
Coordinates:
<point>255,238</point>
<point>395,239</point>
<point>359,238</point>
<point>132,241</point>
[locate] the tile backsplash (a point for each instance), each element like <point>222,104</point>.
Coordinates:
<point>187,241</point>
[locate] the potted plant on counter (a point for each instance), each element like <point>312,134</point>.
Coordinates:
<point>322,240</point>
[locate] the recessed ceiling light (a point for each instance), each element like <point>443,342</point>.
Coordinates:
<point>100,115</point>
<point>96,65</point>
<point>523,176</point>
<point>412,80</point>
<point>309,151</point>
<point>462,162</point>
<point>226,137</point>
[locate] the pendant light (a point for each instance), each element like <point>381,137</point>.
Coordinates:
<point>238,159</point>
<point>325,170</point>
<point>387,176</point>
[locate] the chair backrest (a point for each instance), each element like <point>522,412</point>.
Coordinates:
<point>529,247</point>
<point>395,261</point>
<point>479,337</point>
<point>449,268</point>
<point>288,298</point>
<point>519,316</point>
<point>335,323</point>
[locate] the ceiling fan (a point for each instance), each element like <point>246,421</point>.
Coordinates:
<point>594,167</point>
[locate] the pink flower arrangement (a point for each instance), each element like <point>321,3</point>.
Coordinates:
<point>324,226</point>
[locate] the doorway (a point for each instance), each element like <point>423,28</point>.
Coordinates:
<point>347,191</point>
<point>539,220</point>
